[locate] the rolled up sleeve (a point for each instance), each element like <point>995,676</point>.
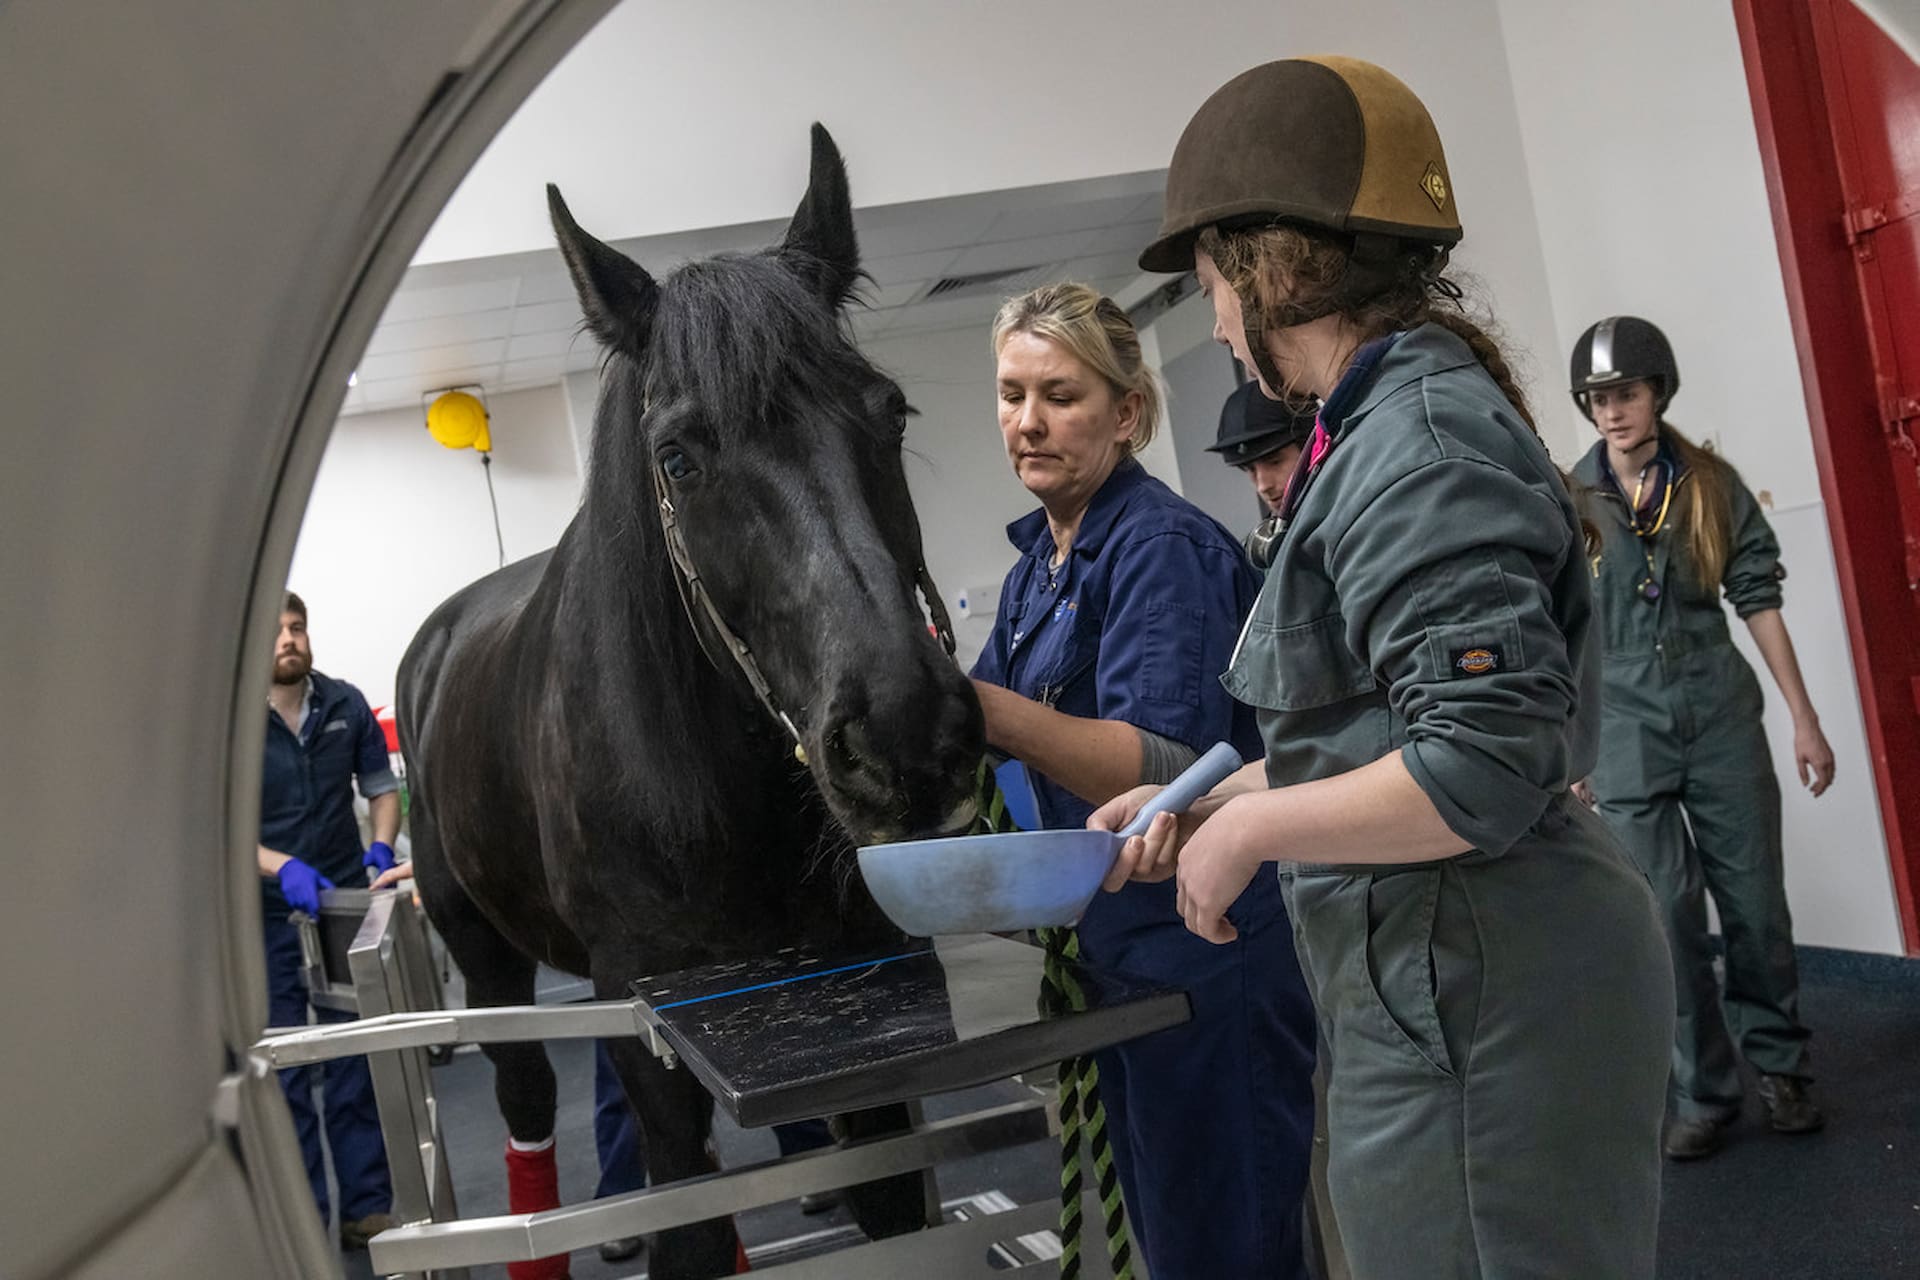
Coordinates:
<point>372,768</point>
<point>1443,581</point>
<point>1754,572</point>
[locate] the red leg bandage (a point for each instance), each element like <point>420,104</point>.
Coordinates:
<point>533,1185</point>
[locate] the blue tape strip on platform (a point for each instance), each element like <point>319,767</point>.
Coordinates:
<point>798,977</point>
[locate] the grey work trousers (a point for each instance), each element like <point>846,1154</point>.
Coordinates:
<point>1499,1031</point>
<point>1686,782</point>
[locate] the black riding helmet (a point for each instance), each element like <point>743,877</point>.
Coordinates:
<point>1619,350</point>
<point>1253,426</point>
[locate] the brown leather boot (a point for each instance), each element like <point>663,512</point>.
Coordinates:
<point>1692,1137</point>
<point>1789,1109</point>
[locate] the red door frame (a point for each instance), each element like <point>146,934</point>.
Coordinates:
<point>1798,149</point>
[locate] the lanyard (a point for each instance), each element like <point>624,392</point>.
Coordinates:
<point>1649,588</point>
<point>1666,499</point>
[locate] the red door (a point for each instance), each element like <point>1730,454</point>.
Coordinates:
<point>1873,93</point>
<point>1837,107</point>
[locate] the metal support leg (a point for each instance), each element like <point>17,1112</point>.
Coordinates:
<point>392,969</point>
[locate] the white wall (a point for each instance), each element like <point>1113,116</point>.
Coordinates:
<point>397,524</point>
<point>936,100</point>
<point>1639,138</point>
<point>1200,376</point>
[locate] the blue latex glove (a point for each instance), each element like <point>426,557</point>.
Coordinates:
<point>302,885</point>
<point>379,856</point>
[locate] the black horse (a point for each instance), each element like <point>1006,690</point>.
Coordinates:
<point>596,782</point>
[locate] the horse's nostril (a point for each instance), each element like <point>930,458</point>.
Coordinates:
<point>853,745</point>
<point>860,771</point>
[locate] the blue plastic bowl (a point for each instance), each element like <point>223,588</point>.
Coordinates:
<point>988,884</point>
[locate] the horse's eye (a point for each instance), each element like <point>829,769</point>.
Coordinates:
<point>676,464</point>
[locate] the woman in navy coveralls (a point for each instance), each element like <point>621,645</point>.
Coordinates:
<point>1102,672</point>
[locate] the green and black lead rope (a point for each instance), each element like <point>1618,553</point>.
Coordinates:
<point>1082,1116</point>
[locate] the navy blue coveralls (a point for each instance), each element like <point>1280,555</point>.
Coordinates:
<point>306,811</point>
<point>1212,1122</point>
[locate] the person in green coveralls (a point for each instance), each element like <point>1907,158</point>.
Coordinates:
<point>1488,964</point>
<point>1685,778</point>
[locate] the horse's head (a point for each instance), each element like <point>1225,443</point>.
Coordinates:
<point>736,410</point>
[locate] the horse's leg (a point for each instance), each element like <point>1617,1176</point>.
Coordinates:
<point>676,1115</point>
<point>889,1206</point>
<point>523,1081</point>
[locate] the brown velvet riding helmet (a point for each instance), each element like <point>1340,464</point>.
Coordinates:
<point>1330,142</point>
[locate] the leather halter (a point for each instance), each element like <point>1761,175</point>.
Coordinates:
<point>699,605</point>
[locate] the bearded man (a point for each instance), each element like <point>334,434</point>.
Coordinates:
<point>321,740</point>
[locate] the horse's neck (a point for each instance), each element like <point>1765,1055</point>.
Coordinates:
<point>640,672</point>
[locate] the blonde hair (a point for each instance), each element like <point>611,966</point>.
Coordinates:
<point>1090,326</point>
<point>1706,512</point>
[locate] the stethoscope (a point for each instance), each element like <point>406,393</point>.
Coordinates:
<point>1264,541</point>
<point>1649,588</point>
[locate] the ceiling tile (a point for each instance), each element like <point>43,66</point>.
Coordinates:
<point>1127,237</point>
<point>529,372</point>
<point>438,331</point>
<point>1078,215</point>
<point>945,313</point>
<point>1035,251</point>
<point>546,317</point>
<point>1094,266</point>
<point>911,266</point>
<point>431,361</point>
<point>526,346</point>
<point>549,283</point>
<point>880,297</point>
<point>447,300</point>
<point>930,229</point>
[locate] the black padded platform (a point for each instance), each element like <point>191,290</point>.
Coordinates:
<point>797,1035</point>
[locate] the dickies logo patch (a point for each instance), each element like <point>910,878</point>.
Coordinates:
<point>1478,661</point>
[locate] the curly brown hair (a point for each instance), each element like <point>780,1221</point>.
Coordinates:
<point>1285,273</point>
<point>1285,268</point>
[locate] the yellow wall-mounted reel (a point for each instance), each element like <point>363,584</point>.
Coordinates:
<point>459,421</point>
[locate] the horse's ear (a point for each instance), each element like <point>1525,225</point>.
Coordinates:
<point>820,245</point>
<point>616,293</point>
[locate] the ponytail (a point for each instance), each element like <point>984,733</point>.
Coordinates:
<point>1707,511</point>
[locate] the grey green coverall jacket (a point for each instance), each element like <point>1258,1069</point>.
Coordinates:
<point>1498,1021</point>
<point>1687,783</point>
